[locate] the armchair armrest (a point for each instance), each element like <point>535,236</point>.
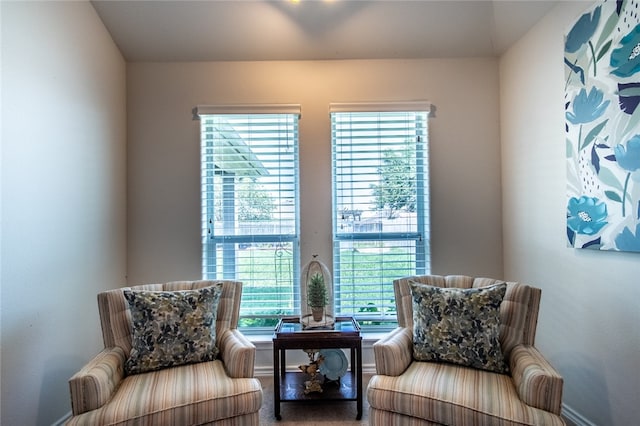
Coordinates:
<point>394,352</point>
<point>93,385</point>
<point>537,382</point>
<point>237,353</point>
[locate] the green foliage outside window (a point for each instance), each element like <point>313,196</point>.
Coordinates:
<point>263,301</point>
<point>254,203</point>
<point>397,189</point>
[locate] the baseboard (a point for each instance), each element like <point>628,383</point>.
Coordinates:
<point>263,371</point>
<point>574,418</point>
<point>62,420</point>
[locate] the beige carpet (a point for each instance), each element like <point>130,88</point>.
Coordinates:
<point>329,413</point>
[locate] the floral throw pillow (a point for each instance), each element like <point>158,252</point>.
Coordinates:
<point>171,328</point>
<point>461,326</point>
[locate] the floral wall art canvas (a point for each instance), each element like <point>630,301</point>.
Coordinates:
<point>602,70</point>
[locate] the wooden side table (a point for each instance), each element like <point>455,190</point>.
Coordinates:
<point>289,386</point>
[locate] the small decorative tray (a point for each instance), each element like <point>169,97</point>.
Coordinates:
<point>290,327</point>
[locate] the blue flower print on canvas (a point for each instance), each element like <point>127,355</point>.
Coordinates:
<point>587,108</point>
<point>586,215</point>
<point>582,31</point>
<point>602,127</point>
<point>627,241</point>
<point>625,60</point>
<point>628,97</point>
<point>629,157</point>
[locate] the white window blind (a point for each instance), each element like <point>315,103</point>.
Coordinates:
<point>380,204</point>
<point>249,208</point>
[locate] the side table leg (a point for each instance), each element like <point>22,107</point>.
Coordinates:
<point>359,379</point>
<point>283,362</point>
<point>276,382</point>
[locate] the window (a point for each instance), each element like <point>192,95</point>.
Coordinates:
<point>250,223</point>
<point>380,204</point>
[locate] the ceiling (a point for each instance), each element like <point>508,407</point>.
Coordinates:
<point>242,30</point>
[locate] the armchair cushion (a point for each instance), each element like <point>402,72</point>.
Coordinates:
<point>461,326</point>
<point>449,394</point>
<point>172,328</point>
<point>193,394</point>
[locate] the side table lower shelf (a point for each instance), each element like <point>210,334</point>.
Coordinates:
<point>292,389</point>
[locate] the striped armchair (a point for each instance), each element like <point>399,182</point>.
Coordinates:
<point>407,392</point>
<point>220,392</point>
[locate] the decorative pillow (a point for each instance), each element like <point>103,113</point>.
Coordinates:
<point>171,328</point>
<point>461,326</point>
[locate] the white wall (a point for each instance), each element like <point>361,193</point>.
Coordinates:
<point>163,152</point>
<point>63,199</point>
<point>589,325</point>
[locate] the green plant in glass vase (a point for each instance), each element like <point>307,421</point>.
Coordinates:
<point>317,296</point>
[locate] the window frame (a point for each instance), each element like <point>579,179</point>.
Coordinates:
<point>231,241</point>
<point>383,319</point>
